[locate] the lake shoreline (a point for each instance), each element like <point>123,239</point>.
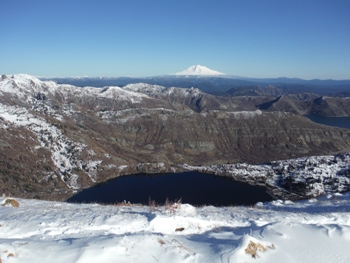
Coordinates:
<point>340,122</point>
<point>191,187</point>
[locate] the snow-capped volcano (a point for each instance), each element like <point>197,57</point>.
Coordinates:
<point>199,70</point>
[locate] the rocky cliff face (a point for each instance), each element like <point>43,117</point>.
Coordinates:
<point>57,139</point>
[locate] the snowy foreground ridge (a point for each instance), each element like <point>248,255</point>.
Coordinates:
<point>317,230</point>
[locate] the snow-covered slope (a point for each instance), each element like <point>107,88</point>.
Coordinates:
<point>317,230</point>
<point>65,152</point>
<point>200,71</point>
<point>43,97</point>
<point>308,176</point>
<point>43,107</point>
<point>83,136</point>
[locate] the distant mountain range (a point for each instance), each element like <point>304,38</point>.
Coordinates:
<point>213,82</point>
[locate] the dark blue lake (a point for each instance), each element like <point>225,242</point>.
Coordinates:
<point>342,122</point>
<point>192,187</point>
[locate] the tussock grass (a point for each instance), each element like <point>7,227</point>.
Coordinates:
<point>178,244</point>
<point>253,248</point>
<point>124,203</point>
<point>160,241</point>
<point>11,202</point>
<point>171,206</point>
<point>152,205</point>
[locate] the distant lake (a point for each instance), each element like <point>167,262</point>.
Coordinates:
<point>342,122</point>
<point>193,187</point>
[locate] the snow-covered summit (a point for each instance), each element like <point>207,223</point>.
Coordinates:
<point>199,70</point>
<point>20,79</point>
<point>26,86</point>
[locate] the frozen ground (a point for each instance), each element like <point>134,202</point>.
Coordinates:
<point>316,230</point>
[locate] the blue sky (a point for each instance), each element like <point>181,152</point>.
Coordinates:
<point>272,38</point>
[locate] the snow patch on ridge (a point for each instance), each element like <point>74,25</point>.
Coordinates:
<point>64,152</point>
<point>245,114</point>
